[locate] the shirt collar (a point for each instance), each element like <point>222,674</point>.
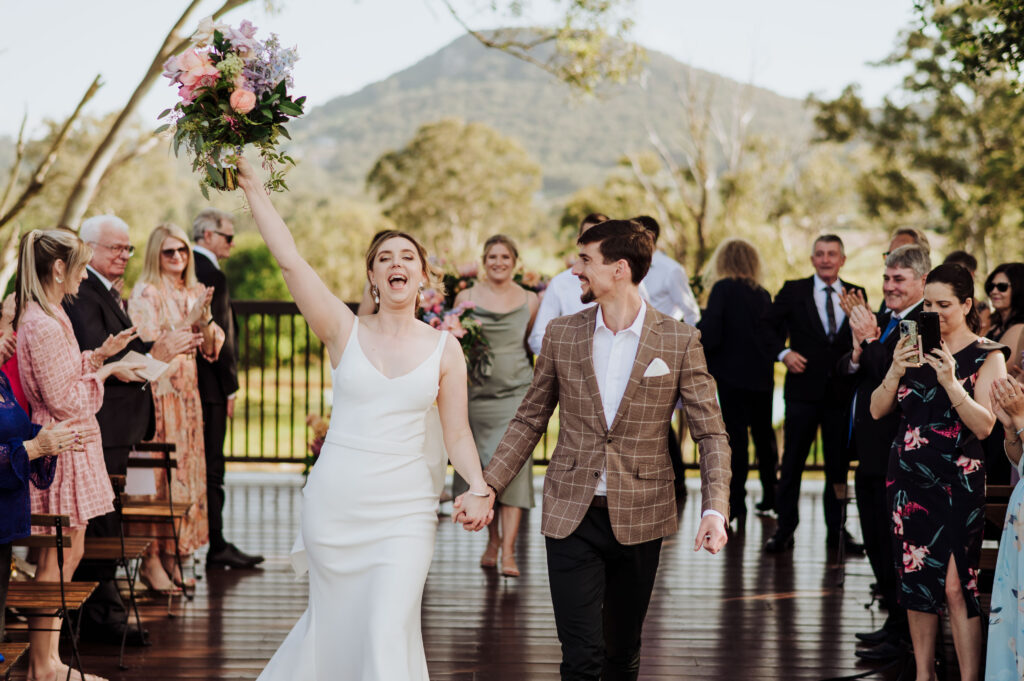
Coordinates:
<point>103,280</point>
<point>636,327</point>
<point>906,311</point>
<point>819,284</point>
<point>208,253</point>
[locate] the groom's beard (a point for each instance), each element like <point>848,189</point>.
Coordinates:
<point>587,297</point>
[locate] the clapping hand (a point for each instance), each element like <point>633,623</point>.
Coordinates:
<point>199,309</point>
<point>116,343</point>
<point>942,361</point>
<point>54,438</point>
<point>1008,402</point>
<point>175,342</point>
<point>473,511</point>
<point>850,299</point>
<point>8,346</point>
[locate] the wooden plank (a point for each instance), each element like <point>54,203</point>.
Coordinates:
<point>109,548</point>
<point>42,541</point>
<point>11,652</point>
<point>152,512</point>
<point>46,595</point>
<point>49,520</point>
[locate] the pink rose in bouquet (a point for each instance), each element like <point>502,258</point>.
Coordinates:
<point>242,101</point>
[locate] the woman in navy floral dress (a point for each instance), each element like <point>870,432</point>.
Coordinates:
<point>936,479</point>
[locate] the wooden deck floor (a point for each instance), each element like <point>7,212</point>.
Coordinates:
<point>738,615</point>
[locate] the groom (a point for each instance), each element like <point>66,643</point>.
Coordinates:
<point>616,371</point>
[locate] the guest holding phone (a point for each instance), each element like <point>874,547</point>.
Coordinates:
<point>936,477</point>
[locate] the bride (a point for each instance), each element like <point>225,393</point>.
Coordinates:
<point>369,507</point>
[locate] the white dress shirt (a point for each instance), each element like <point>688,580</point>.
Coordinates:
<point>669,291</point>
<point>103,280</point>
<point>819,303</point>
<point>208,253</point>
<point>614,355</point>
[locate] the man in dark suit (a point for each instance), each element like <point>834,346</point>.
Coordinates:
<point>807,312</point>
<point>874,341</point>
<point>126,417</point>
<point>213,231</point>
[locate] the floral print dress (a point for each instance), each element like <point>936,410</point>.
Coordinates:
<point>936,487</point>
<point>1004,660</point>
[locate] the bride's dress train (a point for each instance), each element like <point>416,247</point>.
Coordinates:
<point>368,525</point>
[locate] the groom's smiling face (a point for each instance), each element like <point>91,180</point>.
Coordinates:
<point>596,276</point>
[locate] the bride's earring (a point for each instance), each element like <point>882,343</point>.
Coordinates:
<point>376,294</point>
<point>421,290</point>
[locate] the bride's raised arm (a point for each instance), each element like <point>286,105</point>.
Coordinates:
<point>329,318</point>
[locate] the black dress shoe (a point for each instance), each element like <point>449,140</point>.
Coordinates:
<point>765,509</point>
<point>850,547</point>
<point>112,634</point>
<point>232,557</point>
<point>779,543</point>
<point>883,652</point>
<point>873,637</point>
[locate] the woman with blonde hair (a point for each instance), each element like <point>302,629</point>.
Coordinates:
<point>741,361</point>
<point>168,297</point>
<point>506,312</point>
<point>65,384</point>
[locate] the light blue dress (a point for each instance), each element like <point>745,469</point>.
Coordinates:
<point>1005,656</point>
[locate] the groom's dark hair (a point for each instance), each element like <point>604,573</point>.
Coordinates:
<point>623,240</point>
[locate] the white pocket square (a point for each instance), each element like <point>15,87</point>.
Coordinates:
<point>657,367</point>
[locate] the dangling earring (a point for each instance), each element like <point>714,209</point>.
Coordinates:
<point>60,280</point>
<point>376,294</point>
<point>421,290</point>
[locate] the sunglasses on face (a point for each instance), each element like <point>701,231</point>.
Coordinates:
<point>170,252</point>
<point>227,237</point>
<point>1002,287</point>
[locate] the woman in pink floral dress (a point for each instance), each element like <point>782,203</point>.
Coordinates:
<point>168,296</point>
<point>936,478</point>
<point>64,384</point>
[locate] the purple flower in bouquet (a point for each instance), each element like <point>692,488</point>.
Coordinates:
<point>272,65</point>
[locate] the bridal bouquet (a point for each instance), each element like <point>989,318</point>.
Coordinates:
<point>233,91</point>
<point>458,321</point>
<point>318,425</point>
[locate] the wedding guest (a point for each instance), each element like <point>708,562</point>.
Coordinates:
<point>964,259</point>
<point>667,283</point>
<point>1005,290</point>
<point>213,231</point>
<point>808,313</point>
<point>874,341</point>
<point>936,478</point>
<point>905,236</point>
<point>562,296</point>
<point>126,417</point>
<point>1004,659</point>
<point>739,354</point>
<point>10,367</point>
<point>505,310</point>
<point>167,297</point>
<point>63,383</point>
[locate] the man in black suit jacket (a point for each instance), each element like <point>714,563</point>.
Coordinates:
<point>126,417</point>
<point>213,231</point>
<point>807,312</point>
<point>874,341</point>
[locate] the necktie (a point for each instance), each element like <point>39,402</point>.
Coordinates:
<point>116,295</point>
<point>830,313</point>
<point>893,321</point>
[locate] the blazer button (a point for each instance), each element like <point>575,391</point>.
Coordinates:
<point>597,474</point>
<point>609,440</point>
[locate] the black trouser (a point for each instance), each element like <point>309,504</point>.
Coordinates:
<point>5,579</point>
<point>799,433</point>
<point>104,607</point>
<point>600,590</point>
<point>875,525</point>
<point>743,409</point>
<point>215,425</point>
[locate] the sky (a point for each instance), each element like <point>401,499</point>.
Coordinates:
<point>50,50</point>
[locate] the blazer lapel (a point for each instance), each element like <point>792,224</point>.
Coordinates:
<point>645,354</point>
<point>812,309</point>
<point>108,299</point>
<point>585,342</point>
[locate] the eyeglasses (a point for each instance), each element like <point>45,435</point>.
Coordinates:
<point>117,250</point>
<point>1002,287</point>
<point>227,237</point>
<point>170,252</point>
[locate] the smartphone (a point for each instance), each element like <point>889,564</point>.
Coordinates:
<point>908,329</point>
<point>928,329</point>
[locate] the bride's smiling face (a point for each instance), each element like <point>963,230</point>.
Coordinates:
<point>397,271</point>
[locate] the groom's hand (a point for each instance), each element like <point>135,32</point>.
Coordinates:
<point>461,514</point>
<point>711,534</point>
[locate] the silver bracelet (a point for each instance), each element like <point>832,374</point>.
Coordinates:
<point>1019,431</point>
<point>479,494</point>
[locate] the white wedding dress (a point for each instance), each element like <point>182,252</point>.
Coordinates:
<point>369,516</point>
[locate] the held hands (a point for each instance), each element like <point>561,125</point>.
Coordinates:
<point>711,534</point>
<point>944,365</point>
<point>474,512</point>
<point>1008,403</point>
<point>54,438</point>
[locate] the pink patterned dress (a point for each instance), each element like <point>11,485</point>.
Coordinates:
<point>60,383</point>
<point>179,412</point>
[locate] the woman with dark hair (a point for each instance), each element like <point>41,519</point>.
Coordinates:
<point>936,478</point>
<point>740,358</point>
<point>505,311</point>
<point>1005,290</point>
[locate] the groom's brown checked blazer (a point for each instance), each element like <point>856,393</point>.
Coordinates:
<point>641,496</point>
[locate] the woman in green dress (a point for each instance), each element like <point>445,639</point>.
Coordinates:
<point>506,312</point>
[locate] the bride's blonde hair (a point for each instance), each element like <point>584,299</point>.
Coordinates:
<point>429,271</point>
<point>38,251</point>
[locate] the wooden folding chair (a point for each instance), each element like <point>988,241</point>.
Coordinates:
<point>11,653</point>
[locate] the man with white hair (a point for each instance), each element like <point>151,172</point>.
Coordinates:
<point>126,417</point>
<point>213,231</point>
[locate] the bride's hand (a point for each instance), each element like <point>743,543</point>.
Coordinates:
<point>246,174</point>
<point>474,512</point>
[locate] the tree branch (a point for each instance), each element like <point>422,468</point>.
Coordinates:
<point>19,155</point>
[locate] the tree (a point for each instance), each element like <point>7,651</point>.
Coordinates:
<point>949,151</point>
<point>984,37</point>
<point>455,182</point>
